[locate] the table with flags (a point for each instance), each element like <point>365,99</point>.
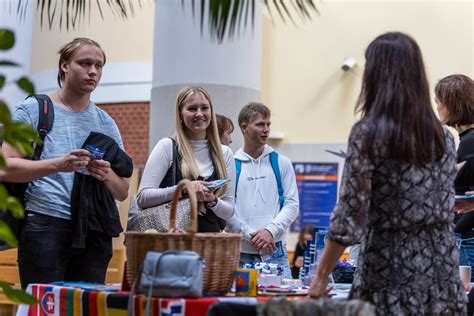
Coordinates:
<point>75,299</point>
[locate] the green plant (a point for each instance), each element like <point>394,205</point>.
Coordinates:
<point>225,17</point>
<point>19,136</point>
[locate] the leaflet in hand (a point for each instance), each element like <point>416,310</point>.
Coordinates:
<point>216,184</point>
<point>278,253</point>
<point>464,197</point>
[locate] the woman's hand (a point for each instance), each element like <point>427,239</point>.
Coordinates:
<point>299,261</point>
<point>460,165</point>
<point>464,206</point>
<point>332,252</point>
<point>203,194</point>
<point>319,288</point>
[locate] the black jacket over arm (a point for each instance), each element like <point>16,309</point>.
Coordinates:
<point>92,205</point>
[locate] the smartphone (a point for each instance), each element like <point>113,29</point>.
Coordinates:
<point>216,184</point>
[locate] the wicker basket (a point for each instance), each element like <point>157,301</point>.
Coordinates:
<point>221,251</point>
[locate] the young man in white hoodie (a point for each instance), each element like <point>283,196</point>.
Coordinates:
<point>261,215</point>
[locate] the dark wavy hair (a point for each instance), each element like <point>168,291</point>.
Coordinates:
<point>395,100</point>
<point>224,124</point>
<point>456,93</point>
<point>307,229</point>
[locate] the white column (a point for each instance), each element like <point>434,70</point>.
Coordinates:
<point>231,71</point>
<point>20,53</point>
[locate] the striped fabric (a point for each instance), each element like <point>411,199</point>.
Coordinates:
<point>59,300</point>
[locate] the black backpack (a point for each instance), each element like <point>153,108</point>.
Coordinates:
<point>45,124</point>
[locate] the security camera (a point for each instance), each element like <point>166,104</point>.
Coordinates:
<point>349,63</point>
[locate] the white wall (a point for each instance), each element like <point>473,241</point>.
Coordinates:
<point>312,99</point>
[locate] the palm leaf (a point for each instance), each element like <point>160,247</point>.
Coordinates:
<point>225,16</point>
<point>72,12</point>
<point>7,39</point>
<point>16,295</point>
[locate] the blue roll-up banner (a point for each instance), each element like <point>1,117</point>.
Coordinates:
<point>317,188</point>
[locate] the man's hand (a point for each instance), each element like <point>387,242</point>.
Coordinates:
<point>263,240</point>
<point>75,160</point>
<point>99,169</point>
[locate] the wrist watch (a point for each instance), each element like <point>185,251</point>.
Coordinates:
<point>212,203</point>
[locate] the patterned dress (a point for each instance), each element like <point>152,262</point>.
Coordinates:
<point>402,214</point>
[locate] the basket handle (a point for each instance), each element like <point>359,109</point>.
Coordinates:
<point>193,202</point>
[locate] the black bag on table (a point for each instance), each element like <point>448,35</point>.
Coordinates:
<point>17,190</point>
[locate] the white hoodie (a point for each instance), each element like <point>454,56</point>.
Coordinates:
<point>257,205</point>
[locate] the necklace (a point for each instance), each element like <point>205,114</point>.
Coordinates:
<point>67,106</point>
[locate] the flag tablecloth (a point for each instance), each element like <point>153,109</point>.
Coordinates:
<point>57,300</point>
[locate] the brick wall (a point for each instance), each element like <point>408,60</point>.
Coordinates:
<point>132,120</point>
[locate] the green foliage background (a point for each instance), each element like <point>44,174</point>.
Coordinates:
<point>20,136</point>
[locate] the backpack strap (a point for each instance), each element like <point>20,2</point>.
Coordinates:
<point>238,168</point>
<point>276,170</point>
<point>45,121</point>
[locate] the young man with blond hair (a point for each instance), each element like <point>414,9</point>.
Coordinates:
<point>266,192</point>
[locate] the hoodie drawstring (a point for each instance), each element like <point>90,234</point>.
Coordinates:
<point>256,179</point>
<point>258,185</point>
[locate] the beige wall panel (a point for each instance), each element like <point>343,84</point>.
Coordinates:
<point>312,99</point>
<point>123,41</point>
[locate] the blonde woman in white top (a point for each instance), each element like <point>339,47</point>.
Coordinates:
<point>201,158</point>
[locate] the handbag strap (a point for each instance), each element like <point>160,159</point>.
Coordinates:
<point>130,309</point>
<point>193,228</point>
<point>175,160</point>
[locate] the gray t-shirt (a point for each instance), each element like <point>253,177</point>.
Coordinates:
<point>51,195</point>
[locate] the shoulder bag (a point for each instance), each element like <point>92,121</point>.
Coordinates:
<point>157,217</point>
<point>172,273</point>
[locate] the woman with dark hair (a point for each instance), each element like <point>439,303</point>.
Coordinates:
<point>397,192</point>
<point>225,127</point>
<point>454,96</point>
<point>298,258</point>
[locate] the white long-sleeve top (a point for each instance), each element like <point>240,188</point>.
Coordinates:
<point>160,160</point>
<point>257,204</point>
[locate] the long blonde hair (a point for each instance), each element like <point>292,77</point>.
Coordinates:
<point>189,167</point>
